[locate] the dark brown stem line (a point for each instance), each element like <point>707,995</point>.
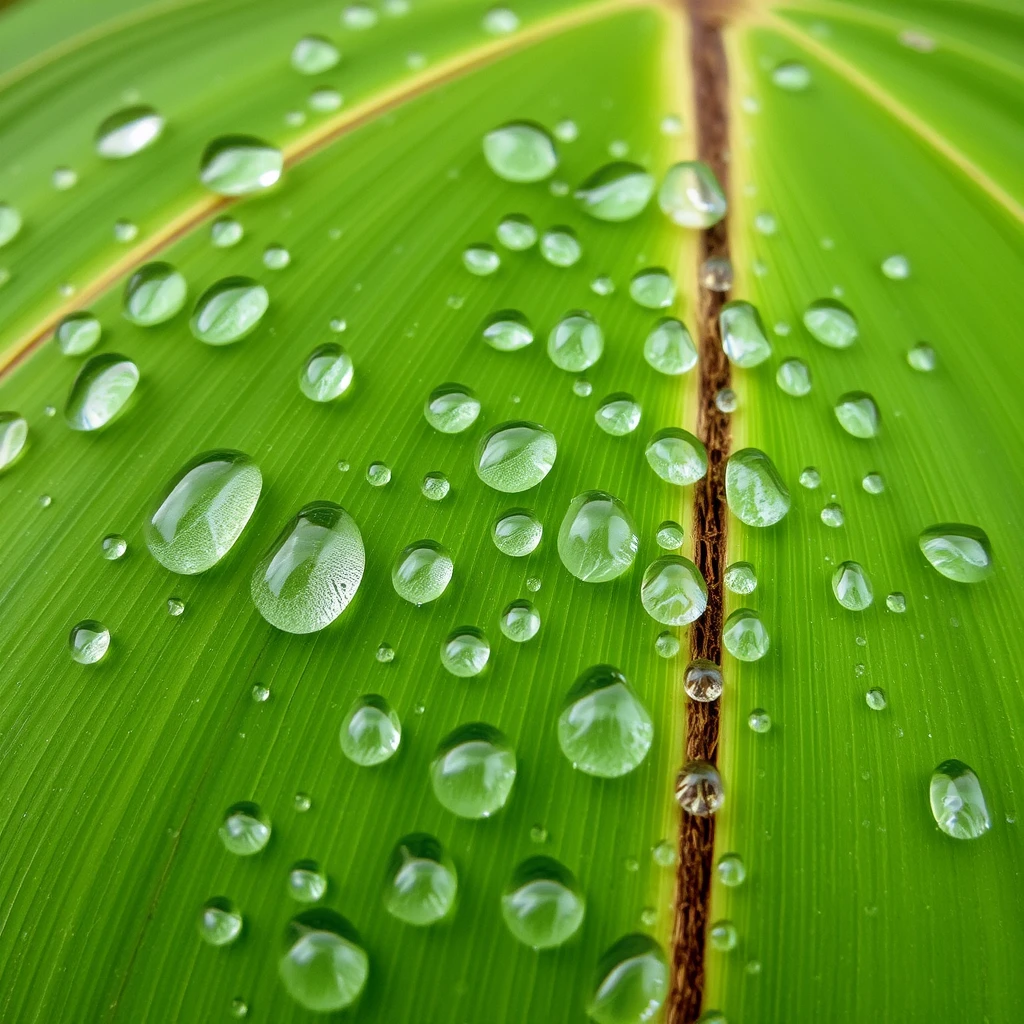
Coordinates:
<point>697,835</point>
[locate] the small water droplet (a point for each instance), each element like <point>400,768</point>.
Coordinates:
<point>45,501</point>
<point>670,535</point>
<point>677,456</point>
<point>616,192</point>
<point>125,230</point>
<point>632,982</point>
<point>517,532</point>
<point>245,830</point>
<point>500,21</point>
<point>239,1008</point>
<point>229,311</point>
<point>673,591</point>
<point>539,834</point>
<point>100,392</point>
<point>759,720</point>
<point>703,681</point>
<point>220,921</point>
<point>896,267</point>
<point>671,124</point>
<point>958,803</point>
<point>153,294</point>
<point>421,882</point>
<point>618,414</point>
<point>89,642</point>
<point>175,607</point>
<point>533,584</point>
<point>652,288</point>
<point>128,131</point>
<point>744,339</point>
<point>754,489</point>
<point>959,552</point>
<point>740,578</point>
<point>422,572</point>
<point>597,541</point>
<point>716,274</point>
<point>473,771</point>
<point>543,905</point>
<point>260,693</point>
<point>451,408</point>
<point>691,196</point>
<point>794,377</point>
<point>307,882</point>
<point>10,223</point>
<point>669,348</point>
<point>508,330</point>
<point>238,165</point>
<point>520,621</point>
<point>852,587</point>
<point>921,357</point>
<point>378,474</point>
<point>515,456</point>
<point>13,438</point>
<point>517,232</point>
<point>113,547</point>
<point>276,257</point>
<point>745,636</point>
<point>875,698</point>
<point>810,478</point>
<point>896,602</point>
<point>664,854</point>
<point>832,515</point>
<point>792,76</point>
<point>831,323</point>
<point>602,285</point>
<point>465,652</point>
<point>78,333</point>
<point>667,645</point>
<point>731,870</point>
<point>560,246</point>
<point>358,17</point>
<point>64,178</point>
<point>324,966</point>
<point>723,936</point>
<point>435,486</point>
<point>576,342</point>
<point>858,414</point>
<point>520,151</point>
<point>226,232</point>
<point>312,55</point>
<point>699,789</point>
<point>567,130</point>
<point>480,259</point>
<point>327,373</point>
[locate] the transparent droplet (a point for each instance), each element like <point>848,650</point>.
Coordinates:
<point>558,187</point>
<point>327,373</point>
<point>153,294</point>
<point>125,230</point>
<point>78,333</point>
<point>832,515</point>
<point>765,223</point>
<point>619,414</point>
<point>113,547</point>
<point>435,486</point>
<point>543,905</point>
<point>175,607</point>
<point>875,699</point>
<point>239,1008</point>
<point>858,414</point>
<point>500,21</point>
<point>508,330</point>
<point>831,323</point>
<point>302,802</point>
<point>324,966</point>
<point>958,803</point>
<point>567,130</point>
<point>716,274</point>
<point>473,771</point>
<point>276,257</point>
<point>520,621</point>
<point>575,342</point>
<point>597,540</point>
<point>89,642</point>
<point>896,602</point>
<point>385,653</point>
<point>670,535</point>
<point>465,652</point>
<point>744,339</point>
<point>515,456</point>
<point>307,882</point>
<point>378,474</point>
<point>421,883</point>
<point>726,400</point>
<point>745,636</point>
<point>677,456</point>
<point>810,478</point>
<point>582,388</point>
<point>45,501</point>
<point>616,192</point>
<point>759,720</point>
<point>517,232</point>
<point>673,591</point>
<point>480,259</point>
<point>226,232</point>
<point>560,246</point>
<point>921,357</point>
<point>669,348</point>
<point>220,921</point>
<point>959,552</point>
<point>101,391</point>
<point>312,571</point>
<point>371,732</point>
<point>538,834</point>
<point>852,587</point>
<point>794,377</point>
<point>452,408</point>
<point>229,310</point>
<point>238,165</point>
<point>723,937</point>
<point>667,645</point>
<point>740,578</point>
<point>691,196</point>
<point>602,285</point>
<point>731,870</point>
<point>699,789</point>
<point>896,267</point>
<point>245,829</point>
<point>520,151</point>
<point>64,178</point>
<point>422,572</point>
<point>632,982</point>
<point>358,17</point>
<point>312,55</point>
<point>10,223</point>
<point>791,75</point>
<point>754,489</point>
<point>128,131</point>
<point>652,288</point>
<point>517,532</point>
<point>202,511</point>
<point>260,693</point>
<point>703,681</point>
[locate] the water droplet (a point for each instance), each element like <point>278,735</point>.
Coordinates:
<point>327,373</point>
<point>671,124</point>
<point>699,789</point>
<point>597,541</point>
<point>632,982</point>
<point>723,936</point>
<point>810,478</point>
<point>740,578</point>
<point>220,921</point>
<point>618,414</point>
<point>307,882</point>
<point>652,288</point>
<point>616,192</point>
<point>520,621</point>
<point>567,130</point>
<point>260,693</point>
<point>125,230</point>
<point>371,731</point>
<point>153,294</point>
<point>533,584</point>
<point>558,188</point>
<point>794,377</point>
<point>959,552</point>
<point>669,348</point>
<point>538,834</point>
<point>239,1008</point>
<point>515,456</point>
<point>896,602</point>
<point>517,532</point>
<point>792,76</point>
<point>673,591</point>
<point>100,391</point>
<point>602,285</point>
<point>113,547</point>
<point>452,408</point>
<point>245,830</point>
<point>500,21</point>
<point>378,474</point>
<point>542,904</point>
<point>435,487</point>
<point>226,232</point>
<point>765,223</point>
<point>691,196</point>
<point>852,587</point>
<point>520,151</point>
<point>276,257</point>
<point>759,720</point>
<point>10,223</point>
<point>312,55</point>
<point>703,681</point>
<point>89,642</point>
<point>726,400</point>
<point>604,729</point>
<point>618,148</point>
<point>667,645</point>
<point>716,274</point>
<point>831,323</point>
<point>677,456</point>
<point>422,572</point>
<point>324,966</point>
<point>958,803</point>
<point>508,330</point>
<point>517,232</point>
<point>465,652</point>
<point>45,501</point>
<point>876,699</point>
<point>203,510</point>
<point>175,607</point>
<point>575,342</point>
<point>64,178</point>
<point>337,325</point>
<point>858,414</point>
<point>745,636</point>
<point>229,310</point>
<point>664,854</point>
<point>731,870</point>
<point>480,259</point>
<point>302,802</point>
<point>743,336</point>
<point>921,357</point>
<point>127,132</point>
<point>421,883</point>
<point>754,489</point>
<point>473,771</point>
<point>358,17</point>
<point>560,246</point>
<point>238,165</point>
<point>896,267</point>
<point>670,535</point>
<point>78,333</point>
<point>832,515</point>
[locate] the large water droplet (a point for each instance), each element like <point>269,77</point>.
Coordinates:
<point>831,323</point>
<point>517,532</point>
<point>422,572</point>
<point>958,804</point>
<point>743,336</point>
<point>520,151</point>
<point>324,966</point>
<point>652,288</point>
<point>560,246</point>
<point>153,294</point>
<point>669,348</point>
<point>515,456</point>
<point>312,571</point>
<point>604,729</point>
<point>78,333</point>
<point>229,310</point>
<point>619,414</point>
<point>371,731</point>
<point>327,373</point>
<point>616,192</point>
<point>754,489</point>
<point>220,921</point>
<point>852,587</point>
<point>673,591</point>
<point>127,132</point>
<point>542,904</point>
<point>632,982</point>
<point>100,392</point>
<point>312,55</point>
<point>699,789</point>
<point>520,621</point>
<point>245,830</point>
<point>508,330</point>
<point>576,342</point>
<point>473,771</point>
<point>691,195</point>
<point>597,540</point>
<point>237,165</point>
<point>421,882</point>
<point>677,456</point>
<point>958,551</point>
<point>203,510</point>
<point>858,414</point>
<point>89,642</point>
<point>465,652</point>
<point>745,636</point>
<point>452,408</point>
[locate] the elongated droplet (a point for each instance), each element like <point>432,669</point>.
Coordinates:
<point>858,414</point>
<point>852,587</point>
<point>744,635</point>
<point>452,408</point>
<point>100,392</point>
<point>237,165</point>
<point>604,729</point>
<point>203,511</point>
<point>542,904</point>
<point>632,982</point>
<point>508,330</point>
<point>754,489</point>
<point>669,348</point>
<point>959,552</point>
<point>618,414</point>
<point>245,830</point>
<point>313,55</point>
<point>597,540</point>
<point>831,323</point>
<point>78,333</point>
<point>516,456</point>
<point>517,532</point>
<point>958,804</point>
<point>473,771</point>
<point>616,192</point>
<point>520,151</point>
<point>129,131</point>
<point>421,881</point>
<point>229,310</point>
<point>691,196</point>
<point>327,373</point>
<point>699,789</point>
<point>743,335</point>
<point>576,342</point>
<point>153,294</point>
<point>677,456</point>
<point>220,921</point>
<point>324,966</point>
<point>673,591</point>
<point>89,642</point>
<point>371,731</point>
<point>791,76</point>
<point>313,570</point>
<point>422,572</point>
<point>652,288</point>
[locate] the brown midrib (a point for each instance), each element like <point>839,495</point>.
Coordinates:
<point>697,835</point>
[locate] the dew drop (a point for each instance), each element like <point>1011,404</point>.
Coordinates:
<point>78,333</point>
<point>567,130</point>
<point>508,330</point>
<point>473,771</point>
<point>831,323</point>
<point>632,982</point>
<point>10,223</point>
<point>670,535</point>
<point>238,165</point>
<point>723,937</point>
<point>480,259</point>
<point>602,285</point>
<point>154,293</point>
<point>128,131</point>
<point>465,652</point>
<point>100,392</point>
<point>616,192</point>
<point>618,414</point>
<point>89,642</point>
<point>520,151</point>
<point>810,478</point>
<point>759,721</point>
<point>744,339</point>
<point>896,602</point>
<point>958,803</point>
<point>716,274</point>
<point>673,591</point>
<point>520,621</point>
<point>327,373</point>
<point>731,870</point>
<point>422,572</point>
<point>175,607</point>
<point>307,882</point>
<point>220,921</point>
<point>260,693</point>
<point>669,348</point>
<point>852,587</point>
<point>378,474</point>
<point>794,377</point>
<point>226,232</point>
<point>754,489</point>
<point>302,802</point>
<point>957,551</point>
<point>313,55</point>
<point>740,578</point>
<point>517,232</point>
<point>421,882</point>
<point>385,653</point>
<point>371,731</point>
<point>699,789</point>
<point>726,400</point>
<point>766,224</point>
<point>276,257</point>
<point>792,76</point>
<point>560,246</point>
<point>832,515</point>
<point>664,854</point>
<point>667,645</point>
<point>677,456</point>
<point>452,408</point>
<point>500,21</point>
<point>745,636</point>
<point>229,310</point>
<point>515,456</point>
<point>652,288</point>
<point>597,540</point>
<point>875,699</point>
<point>64,178</point>
<point>245,829</point>
<point>858,414</point>
<point>517,532</point>
<point>543,905</point>
<point>921,357</point>
<point>113,547</point>
<point>576,342</point>
<point>435,486</point>
<point>703,681</point>
<point>324,966</point>
<point>896,267</point>
<point>358,17</point>
<point>691,196</point>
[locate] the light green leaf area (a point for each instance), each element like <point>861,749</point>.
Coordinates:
<point>856,907</point>
<point>117,775</point>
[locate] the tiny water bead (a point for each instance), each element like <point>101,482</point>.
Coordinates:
<point>452,408</point>
<point>238,1008</point>
<point>754,489</point>
<point>508,330</point>
<point>276,257</point>
<point>101,391</point>
<point>852,587</point>
<point>631,983</point>
<point>740,578</point>
<point>378,474</point>
<point>385,653</point>
<point>703,681</point>
<point>313,55</point>
<point>226,232</point>
<point>794,377</point>
<point>959,552</point>
<point>515,456</point>
<point>667,645</point>
<point>465,652</point>
<point>616,192</point>
<point>699,789</point>
<point>618,414</point>
<point>875,699</point>
<point>245,829</point>
<point>677,456</point>
<point>765,223</point>
<point>517,532</point>
<point>652,288</point>
<point>307,882</point>
<point>896,267</point>
<point>744,339</point>
<point>858,414</point>
<point>520,151</point>
<point>312,571</point>
<point>327,373</point>
<point>125,230</point>
<point>715,273</point>
<point>744,635</point>
<point>359,17</point>
<point>113,547</point>
<point>831,323</point>
<point>480,259</point>
<point>239,165</point>
<point>726,400</point>
<point>723,937</point>
<point>229,311</point>
<point>473,771</point>
<point>78,333</point>
<point>663,853</point>
<point>673,591</point>
<point>604,729</point>
<point>10,223</point>
<point>371,731</point>
<point>420,883</point>
<point>517,232</point>
<point>324,966</point>
<point>203,510</point>
<point>731,870</point>
<point>921,357</point>
<point>175,607</point>
<point>958,803</point>
<point>128,131</point>
<point>435,486</point>
<point>422,572</point>
<point>543,905</point>
<point>602,285</point>
<point>759,721</point>
<point>260,693</point>
<point>576,342</point>
<point>691,196</point>
<point>832,515</point>
<point>560,246</point>
<point>582,388</point>
<point>896,602</point>
<point>810,478</point>
<point>597,540</point>
<point>669,348</point>
<point>520,621</point>
<point>64,178</point>
<point>302,802</point>
<point>791,75</point>
<point>89,642</point>
<point>567,130</point>
<point>220,921</point>
<point>153,294</point>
